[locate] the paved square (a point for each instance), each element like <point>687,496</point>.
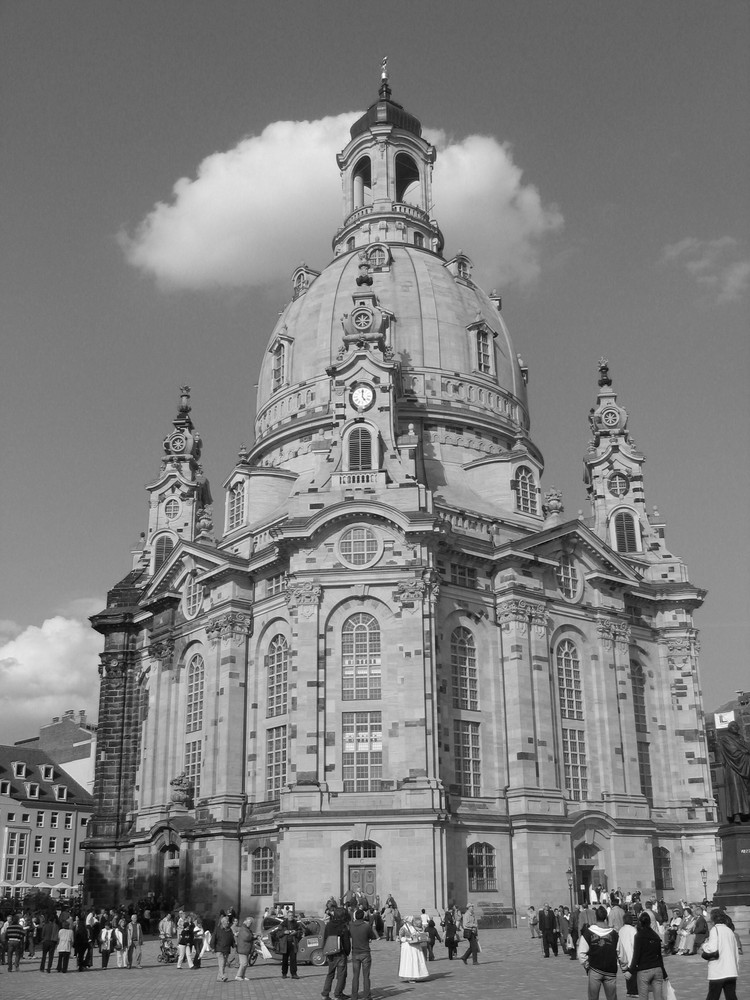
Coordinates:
<point>511,966</point>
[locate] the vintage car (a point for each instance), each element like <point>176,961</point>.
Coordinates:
<point>309,946</point>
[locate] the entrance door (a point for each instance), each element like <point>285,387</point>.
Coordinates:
<point>362,879</point>
<point>584,882</point>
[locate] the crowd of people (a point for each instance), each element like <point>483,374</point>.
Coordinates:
<point>615,931</point>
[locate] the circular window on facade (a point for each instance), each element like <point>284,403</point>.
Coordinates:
<point>192,597</point>
<point>360,547</point>
<point>172,509</point>
<point>618,484</point>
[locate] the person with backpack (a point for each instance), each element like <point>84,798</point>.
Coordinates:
<point>647,965</point>
<point>597,953</point>
<point>337,944</point>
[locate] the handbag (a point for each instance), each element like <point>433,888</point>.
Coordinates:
<point>332,946</point>
<point>710,956</point>
<point>668,989</point>
<point>469,933</point>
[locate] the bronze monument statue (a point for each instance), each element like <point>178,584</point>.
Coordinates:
<point>735,756</point>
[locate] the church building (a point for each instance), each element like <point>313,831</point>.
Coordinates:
<point>400,667</point>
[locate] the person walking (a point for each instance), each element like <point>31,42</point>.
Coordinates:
<point>223,944</point>
<point>533,918</point>
<point>337,927</point>
<point>50,934</point>
<point>647,965</point>
<point>389,921</point>
<point>451,934</point>
<point>245,946</point>
<point>362,932</point>
<point>80,943</point>
<point>106,945</point>
<point>15,935</point>
<point>434,936</point>
<point>135,942</point>
<point>471,934</point>
<point>185,943</point>
<point>64,946</point>
<point>412,965</point>
<point>120,939</point>
<point>721,952</point>
<point>597,953</point>
<point>548,928</point>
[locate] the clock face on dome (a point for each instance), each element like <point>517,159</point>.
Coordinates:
<point>610,418</point>
<point>363,396</point>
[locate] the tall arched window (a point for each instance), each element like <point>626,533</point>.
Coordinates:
<point>407,180</point>
<point>362,183</point>
<point>278,367</point>
<point>360,449</point>
<point>194,682</point>
<point>569,680</point>
<point>360,655</point>
<point>638,681</point>
<point>236,511</point>
<point>164,545</point>
<point>464,669</point>
<point>262,872</point>
<point>277,666</point>
<point>526,500</point>
<point>480,859</point>
<point>662,868</point>
<point>575,765</point>
<point>626,532</point>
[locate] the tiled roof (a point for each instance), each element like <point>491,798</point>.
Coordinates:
<point>77,796</point>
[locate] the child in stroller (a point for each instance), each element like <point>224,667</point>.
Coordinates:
<point>167,951</point>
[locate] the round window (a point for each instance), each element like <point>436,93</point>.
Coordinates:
<point>618,484</point>
<point>359,547</point>
<point>172,509</point>
<point>362,320</point>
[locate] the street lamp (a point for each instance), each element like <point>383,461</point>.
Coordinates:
<point>704,879</point>
<point>569,873</point>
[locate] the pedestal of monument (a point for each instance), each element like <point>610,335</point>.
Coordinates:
<point>733,889</point>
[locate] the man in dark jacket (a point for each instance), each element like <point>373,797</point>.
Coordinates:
<point>597,953</point>
<point>548,929</point>
<point>362,933</point>
<point>287,938</point>
<point>337,927</point>
<point>223,944</point>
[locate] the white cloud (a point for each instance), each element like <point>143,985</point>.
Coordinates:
<point>716,264</point>
<point>253,212</point>
<point>45,670</point>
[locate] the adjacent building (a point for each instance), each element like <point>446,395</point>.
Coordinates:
<point>43,818</point>
<point>401,666</point>
<point>71,742</point>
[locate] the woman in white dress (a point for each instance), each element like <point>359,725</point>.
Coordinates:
<point>412,965</point>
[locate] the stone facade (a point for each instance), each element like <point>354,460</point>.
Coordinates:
<point>400,668</point>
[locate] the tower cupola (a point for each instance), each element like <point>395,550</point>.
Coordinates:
<point>386,172</point>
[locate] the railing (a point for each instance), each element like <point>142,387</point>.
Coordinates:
<point>359,479</point>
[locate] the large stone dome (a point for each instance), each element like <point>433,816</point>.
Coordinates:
<point>434,318</point>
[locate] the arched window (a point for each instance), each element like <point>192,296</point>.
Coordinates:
<point>164,545</point>
<point>462,269</point>
<point>360,449</point>
<point>236,513</point>
<point>360,654</point>
<point>407,179</point>
<point>464,669</point>
<point>418,240</point>
<point>567,577</point>
<point>626,533</point>
<point>480,859</point>
<point>262,872</point>
<point>378,257</point>
<point>638,681</point>
<point>192,597</point>
<point>525,491</point>
<point>277,666</point>
<point>662,869</point>
<point>362,183</point>
<point>350,243</point>
<point>195,677</point>
<point>569,680</point>
<point>171,508</point>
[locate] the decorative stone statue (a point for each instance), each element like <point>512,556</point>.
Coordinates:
<point>735,756</point>
<point>180,789</point>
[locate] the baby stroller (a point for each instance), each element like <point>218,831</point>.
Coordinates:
<point>167,951</point>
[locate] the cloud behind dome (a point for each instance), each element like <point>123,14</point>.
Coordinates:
<point>253,212</point>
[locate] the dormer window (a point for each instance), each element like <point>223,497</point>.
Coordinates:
<point>19,769</point>
<point>4,788</point>
<point>32,790</point>
<point>484,351</point>
<point>462,270</point>
<point>526,493</point>
<point>278,369</point>
<point>48,772</point>
<point>236,506</point>
<point>61,793</point>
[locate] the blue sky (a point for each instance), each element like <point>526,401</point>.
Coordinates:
<point>614,221</point>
